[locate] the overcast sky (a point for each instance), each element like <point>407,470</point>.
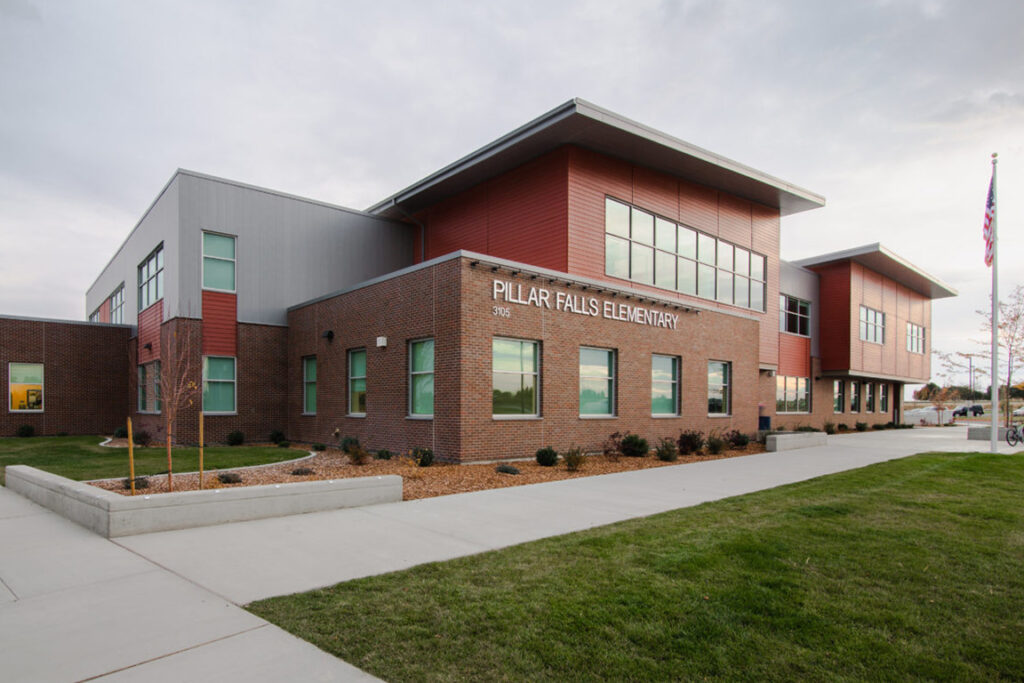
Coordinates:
<point>889,109</point>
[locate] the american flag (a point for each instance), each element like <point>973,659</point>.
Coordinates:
<point>990,216</point>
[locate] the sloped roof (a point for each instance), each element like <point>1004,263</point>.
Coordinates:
<point>881,260</point>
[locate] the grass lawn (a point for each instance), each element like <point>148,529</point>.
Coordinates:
<point>81,457</point>
<point>910,569</point>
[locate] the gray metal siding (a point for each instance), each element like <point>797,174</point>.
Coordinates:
<point>803,284</point>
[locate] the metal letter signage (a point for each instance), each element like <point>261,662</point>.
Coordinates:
<point>528,295</point>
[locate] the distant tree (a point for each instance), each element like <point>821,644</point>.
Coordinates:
<point>178,386</point>
<point>1010,337</point>
<point>925,393</point>
<point>943,399</point>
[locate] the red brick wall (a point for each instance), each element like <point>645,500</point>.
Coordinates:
<point>86,370</point>
<point>220,324</point>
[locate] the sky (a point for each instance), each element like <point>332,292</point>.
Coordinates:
<point>889,109</point>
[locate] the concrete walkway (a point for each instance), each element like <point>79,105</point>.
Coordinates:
<point>164,606</point>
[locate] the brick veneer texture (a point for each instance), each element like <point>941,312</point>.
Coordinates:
<point>86,369</point>
<point>452,303</point>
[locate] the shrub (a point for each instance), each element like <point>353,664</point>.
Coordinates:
<point>634,446</point>
<point>861,426</point>
<point>230,478</point>
<point>142,438</point>
<point>690,441</point>
<point>319,447</point>
<point>612,446</point>
<point>878,426</point>
<point>302,471</point>
<point>806,428</point>
<point>424,457</point>
<point>506,469</point>
<point>737,439</point>
<point>843,427</point>
<point>547,456</point>
<point>121,432</point>
<point>26,431</point>
<point>357,456</point>
<point>830,427</point>
<point>284,444</point>
<point>573,458</point>
<point>383,454</point>
<point>276,436</point>
<point>140,483</point>
<point>236,438</point>
<point>666,450</point>
<point>62,433</point>
<point>348,443</point>
<point>715,444</point>
<point>890,425</point>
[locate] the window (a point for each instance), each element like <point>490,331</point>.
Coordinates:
<point>883,398</point>
<point>794,315</point>
<point>151,279</point>
<point>792,394</point>
<point>718,387</point>
<point>597,382</point>
<point>652,250</point>
<point>149,387</point>
<point>218,262</point>
<point>869,397</point>
<point>515,377</point>
<point>915,338</point>
<point>309,385</point>
<point>94,317</point>
<point>838,396</point>
<point>872,325</point>
<point>117,305</point>
<point>25,387</point>
<point>357,382</point>
<point>421,378</point>
<point>218,384</point>
<point>854,397</point>
<point>664,385</point>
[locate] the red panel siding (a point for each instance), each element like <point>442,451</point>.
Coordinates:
<point>105,311</point>
<point>220,324</point>
<point>794,355</point>
<point>835,319</point>
<point>149,332</point>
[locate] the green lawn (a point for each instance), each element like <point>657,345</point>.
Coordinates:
<point>81,457</point>
<point>911,569</point>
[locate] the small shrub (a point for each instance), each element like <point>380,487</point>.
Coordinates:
<point>142,438</point>
<point>547,456</point>
<point>634,446</point>
<point>319,447</point>
<point>830,427</point>
<point>737,439</point>
<point>714,444</point>
<point>121,433</point>
<point>843,427</point>
<point>574,458</point>
<point>302,471</point>
<point>276,436</point>
<point>690,441</point>
<point>236,438</point>
<point>612,446</point>
<point>62,433</point>
<point>25,431</point>
<point>230,478</point>
<point>861,426</point>
<point>878,427</point>
<point>890,425</point>
<point>383,454</point>
<point>357,455</point>
<point>284,444</point>
<point>424,457</point>
<point>806,428</point>
<point>506,469</point>
<point>140,483</point>
<point>666,450</point>
<point>348,443</point>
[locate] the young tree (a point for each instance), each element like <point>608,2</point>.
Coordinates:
<point>1010,337</point>
<point>178,386</point>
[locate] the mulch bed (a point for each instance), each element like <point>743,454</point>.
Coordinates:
<point>440,479</point>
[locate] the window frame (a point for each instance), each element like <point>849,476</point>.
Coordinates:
<point>915,338</point>
<point>306,382</point>
<point>801,316</point>
<point>412,373</point>
<point>839,393</point>
<point>234,386</point>
<point>116,300</point>
<point>613,363</point>
<point>869,397</point>
<point>535,373</point>
<point>673,383</point>
<point>352,378</point>
<point>233,261</point>
<point>726,387</point>
<point>42,389</point>
<point>792,393</point>
<point>872,325</point>
<point>145,380</point>
<point>883,397</point>
<point>855,396</point>
<point>156,275</point>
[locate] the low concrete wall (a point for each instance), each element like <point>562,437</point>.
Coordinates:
<point>110,514</point>
<point>984,433</point>
<point>789,442</point>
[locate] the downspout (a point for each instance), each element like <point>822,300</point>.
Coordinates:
<point>422,227</point>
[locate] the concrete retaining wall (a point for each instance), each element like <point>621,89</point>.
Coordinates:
<point>984,433</point>
<point>789,442</point>
<point>112,515</point>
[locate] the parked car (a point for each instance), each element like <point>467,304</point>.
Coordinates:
<point>974,410</point>
<point>1019,412</point>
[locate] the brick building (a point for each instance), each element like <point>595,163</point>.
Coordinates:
<point>581,275</point>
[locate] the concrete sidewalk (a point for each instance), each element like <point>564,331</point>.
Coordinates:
<point>164,606</point>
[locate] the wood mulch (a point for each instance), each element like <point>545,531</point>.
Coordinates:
<point>440,479</point>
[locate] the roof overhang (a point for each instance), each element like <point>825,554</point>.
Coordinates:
<point>585,125</point>
<point>883,261</point>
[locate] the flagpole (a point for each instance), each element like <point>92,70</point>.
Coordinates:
<point>995,315</point>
